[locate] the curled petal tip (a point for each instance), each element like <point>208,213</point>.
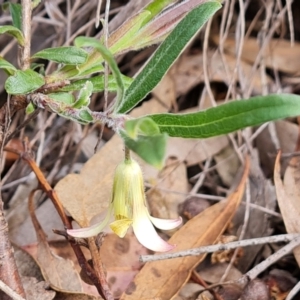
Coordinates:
<point>166,224</point>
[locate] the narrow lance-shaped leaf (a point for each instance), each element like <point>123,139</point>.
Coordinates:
<point>158,28</point>
<point>229,117</point>
<point>106,54</point>
<point>98,84</point>
<point>16,14</point>
<point>122,37</point>
<point>166,55</point>
<point>64,55</point>
<point>155,7</point>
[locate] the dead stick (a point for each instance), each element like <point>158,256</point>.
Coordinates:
<point>221,247</point>
<point>8,291</point>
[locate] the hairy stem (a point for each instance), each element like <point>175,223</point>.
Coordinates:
<point>26,29</point>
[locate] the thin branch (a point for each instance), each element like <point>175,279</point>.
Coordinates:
<point>293,291</point>
<point>253,273</point>
<point>222,247</point>
<point>8,291</point>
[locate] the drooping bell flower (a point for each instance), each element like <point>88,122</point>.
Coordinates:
<point>128,204</point>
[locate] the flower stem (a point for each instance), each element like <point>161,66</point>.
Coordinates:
<point>127,154</point>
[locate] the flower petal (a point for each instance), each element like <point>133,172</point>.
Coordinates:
<point>91,230</point>
<point>88,231</point>
<point>147,236</point>
<point>120,227</point>
<point>166,224</point>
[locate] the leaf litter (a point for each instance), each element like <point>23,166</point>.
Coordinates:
<point>186,85</point>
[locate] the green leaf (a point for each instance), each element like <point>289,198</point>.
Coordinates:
<point>98,84</point>
<point>144,126</point>
<point>122,38</point>
<point>85,116</point>
<point>65,98</point>
<point>106,54</point>
<point>16,14</point>
<point>166,55</point>
<point>63,55</point>
<point>83,98</point>
<point>14,31</point>
<point>30,108</point>
<point>86,71</point>
<point>229,117</point>
<point>23,82</point>
<point>155,7</point>
<point>7,66</point>
<point>151,149</point>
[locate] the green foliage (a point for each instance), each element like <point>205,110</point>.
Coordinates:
<point>166,54</point>
<point>229,117</point>
<point>63,55</point>
<point>150,148</point>
<point>14,31</point>
<point>65,98</point>
<point>98,84</point>
<point>8,67</point>
<point>16,14</point>
<point>23,82</point>
<point>122,39</point>
<point>142,126</point>
<point>84,95</point>
<point>107,55</point>
<point>155,7</point>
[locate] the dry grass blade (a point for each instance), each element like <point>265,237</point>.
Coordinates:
<point>163,280</point>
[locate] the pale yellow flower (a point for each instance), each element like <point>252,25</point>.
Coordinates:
<point>129,208</point>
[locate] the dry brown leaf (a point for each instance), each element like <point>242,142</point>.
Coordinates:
<point>76,296</point>
<point>189,71</point>
<point>286,133</point>
<point>213,273</point>
<point>121,257</point>
<point>227,164</point>
<point>163,279</point>
<point>288,197</point>
<point>194,151</point>
<point>278,54</point>
<point>37,290</point>
<point>262,193</point>
<point>60,273</point>
<point>163,203</point>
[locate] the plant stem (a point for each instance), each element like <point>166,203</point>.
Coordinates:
<point>26,29</point>
<point>98,267</point>
<point>127,153</point>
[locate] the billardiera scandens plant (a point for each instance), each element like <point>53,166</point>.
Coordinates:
<point>128,204</point>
